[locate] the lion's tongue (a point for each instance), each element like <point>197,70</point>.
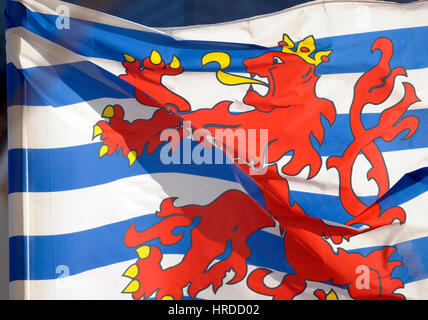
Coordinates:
<point>232,79</point>
<point>223,59</point>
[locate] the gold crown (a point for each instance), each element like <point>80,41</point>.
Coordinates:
<point>305,49</point>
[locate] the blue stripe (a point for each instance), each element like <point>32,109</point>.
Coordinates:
<point>411,49</point>
<point>79,166</point>
<point>339,135</point>
<point>411,185</point>
<point>87,250</point>
<point>61,85</point>
<point>95,248</point>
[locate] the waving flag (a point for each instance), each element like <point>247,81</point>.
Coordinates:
<point>278,157</point>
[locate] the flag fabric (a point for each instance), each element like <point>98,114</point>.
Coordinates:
<point>282,156</point>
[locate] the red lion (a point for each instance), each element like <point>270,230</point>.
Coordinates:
<point>292,113</point>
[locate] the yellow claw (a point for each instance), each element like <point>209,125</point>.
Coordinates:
<point>108,112</point>
<point>129,58</point>
<point>167,298</point>
<point>175,63</point>
<point>97,131</point>
<point>155,57</point>
<point>103,150</point>
<point>132,156</point>
<point>331,295</point>
<point>132,287</point>
<point>143,252</point>
<point>131,272</point>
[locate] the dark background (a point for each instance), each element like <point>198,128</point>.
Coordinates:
<point>153,13</point>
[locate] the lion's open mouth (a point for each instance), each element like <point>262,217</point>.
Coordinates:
<point>262,88</point>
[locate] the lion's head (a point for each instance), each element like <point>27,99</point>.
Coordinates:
<point>288,77</point>
<point>289,105</point>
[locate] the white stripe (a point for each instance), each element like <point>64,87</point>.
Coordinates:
<point>415,227</point>
<point>107,283</point>
<point>81,209</point>
<point>26,49</point>
<point>412,291</point>
<point>339,88</point>
<point>322,19</point>
<point>416,290</point>
<point>104,283</point>
<point>398,163</point>
<point>49,127</point>
<point>72,125</point>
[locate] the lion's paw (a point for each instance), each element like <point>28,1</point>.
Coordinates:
<point>132,138</point>
<point>147,80</point>
<point>149,278</point>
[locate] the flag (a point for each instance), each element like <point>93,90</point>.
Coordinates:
<point>282,156</point>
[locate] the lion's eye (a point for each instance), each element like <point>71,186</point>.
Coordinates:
<point>277,60</point>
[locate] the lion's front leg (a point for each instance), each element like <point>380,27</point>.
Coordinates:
<point>134,138</point>
<point>147,80</point>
